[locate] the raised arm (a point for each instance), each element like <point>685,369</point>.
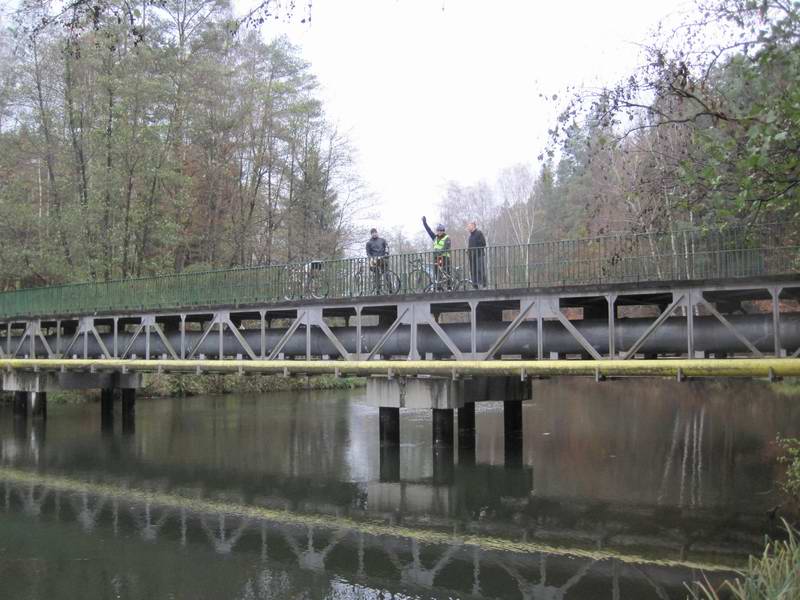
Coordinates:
<point>428,229</point>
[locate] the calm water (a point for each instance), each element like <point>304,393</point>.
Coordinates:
<point>622,490</point>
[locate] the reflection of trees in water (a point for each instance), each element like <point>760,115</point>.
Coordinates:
<point>614,441</point>
<point>686,449</point>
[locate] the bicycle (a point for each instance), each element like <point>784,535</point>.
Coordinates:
<point>420,277</point>
<point>451,280</point>
<point>302,281</point>
<point>373,278</point>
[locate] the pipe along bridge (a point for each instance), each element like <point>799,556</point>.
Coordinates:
<point>721,303</point>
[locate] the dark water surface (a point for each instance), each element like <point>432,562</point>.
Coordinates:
<point>622,489</point>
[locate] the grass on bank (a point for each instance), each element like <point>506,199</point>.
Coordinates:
<point>169,385</point>
<point>775,575</point>
<point>788,387</point>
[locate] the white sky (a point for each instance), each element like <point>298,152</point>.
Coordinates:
<point>437,90</point>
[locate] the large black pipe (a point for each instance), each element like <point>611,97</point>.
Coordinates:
<point>710,336</point>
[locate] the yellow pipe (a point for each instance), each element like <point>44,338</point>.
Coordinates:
<point>737,367</point>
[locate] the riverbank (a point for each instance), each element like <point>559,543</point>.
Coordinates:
<point>168,385</point>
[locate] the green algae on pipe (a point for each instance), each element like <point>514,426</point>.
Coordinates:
<point>375,528</point>
<point>666,367</point>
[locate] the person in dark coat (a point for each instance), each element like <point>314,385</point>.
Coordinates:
<point>377,251</point>
<point>476,248</point>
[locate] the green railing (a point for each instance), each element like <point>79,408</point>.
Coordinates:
<point>695,254</point>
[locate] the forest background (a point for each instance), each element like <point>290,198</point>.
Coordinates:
<point>169,136</point>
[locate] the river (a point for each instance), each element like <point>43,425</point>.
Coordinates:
<point>623,489</point>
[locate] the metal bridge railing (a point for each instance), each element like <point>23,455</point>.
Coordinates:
<point>695,254</point>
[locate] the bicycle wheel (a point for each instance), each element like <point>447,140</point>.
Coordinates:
<point>359,284</point>
<point>463,285</point>
<point>419,281</point>
<point>318,285</point>
<point>287,288</point>
<point>391,282</point>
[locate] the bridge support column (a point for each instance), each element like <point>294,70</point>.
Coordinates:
<point>390,464</point>
<point>466,434</point>
<point>443,427</point>
<point>21,404</point>
<point>39,404</point>
<point>512,432</point>
<point>107,410</point>
<point>389,425</point>
<point>389,432</point>
<point>443,459</point>
<point>128,410</point>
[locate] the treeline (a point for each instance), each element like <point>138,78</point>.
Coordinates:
<point>161,137</point>
<point>705,132</point>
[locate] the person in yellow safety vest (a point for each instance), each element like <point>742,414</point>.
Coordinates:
<point>441,250</point>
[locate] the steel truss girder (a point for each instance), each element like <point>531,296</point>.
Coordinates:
<point>33,331</point>
<point>409,314</point>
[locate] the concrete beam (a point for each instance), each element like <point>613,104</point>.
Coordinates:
<point>485,389</point>
<point>415,392</point>
<point>21,381</point>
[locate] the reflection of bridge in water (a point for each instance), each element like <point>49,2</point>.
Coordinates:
<point>679,518</point>
<point>369,554</point>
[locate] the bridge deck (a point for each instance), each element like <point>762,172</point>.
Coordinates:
<point>732,253</point>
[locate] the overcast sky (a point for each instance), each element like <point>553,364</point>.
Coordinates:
<point>436,90</point>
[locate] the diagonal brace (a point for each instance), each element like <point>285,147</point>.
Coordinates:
<point>334,340</point>
<point>159,330</point>
<point>655,325</point>
<point>387,334</point>
<point>445,338</point>
<point>730,327</point>
<point>130,342</point>
<point>512,327</point>
<point>240,338</point>
<point>577,335</point>
<point>286,336</point>
<point>44,342</point>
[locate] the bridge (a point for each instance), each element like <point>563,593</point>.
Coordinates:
<point>680,304</point>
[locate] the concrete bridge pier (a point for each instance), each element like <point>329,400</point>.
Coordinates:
<point>442,396</point>
<point>390,464</point>
<point>443,464</point>
<point>107,410</point>
<point>512,432</point>
<point>128,411</point>
<point>389,425</point>
<point>443,427</point>
<point>389,434</point>
<point>466,434</point>
<point>32,387</point>
<point>38,401</point>
<point>443,449</point>
<point>21,404</point>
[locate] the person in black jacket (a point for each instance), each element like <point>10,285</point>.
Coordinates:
<point>377,250</point>
<point>477,255</point>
